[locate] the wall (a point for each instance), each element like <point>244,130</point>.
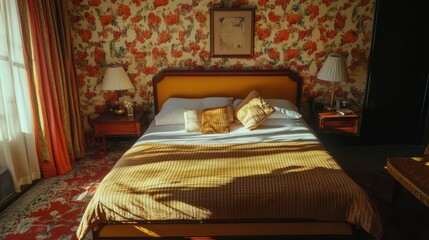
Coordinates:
<point>148,36</point>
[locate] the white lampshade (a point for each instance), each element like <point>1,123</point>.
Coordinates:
<point>115,78</point>
<point>334,69</point>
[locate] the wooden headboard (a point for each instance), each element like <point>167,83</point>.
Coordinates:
<point>283,84</point>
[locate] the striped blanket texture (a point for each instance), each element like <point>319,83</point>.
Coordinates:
<point>288,180</point>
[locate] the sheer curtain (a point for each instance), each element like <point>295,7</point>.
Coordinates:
<point>17,140</point>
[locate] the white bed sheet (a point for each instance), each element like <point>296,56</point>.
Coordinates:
<point>271,130</point>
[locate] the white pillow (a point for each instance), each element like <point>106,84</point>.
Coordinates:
<point>284,108</point>
<point>173,109</point>
<point>215,102</point>
<point>192,120</point>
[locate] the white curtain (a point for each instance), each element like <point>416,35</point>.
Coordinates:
<point>17,140</point>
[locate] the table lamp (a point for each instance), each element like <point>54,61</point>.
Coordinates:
<point>333,70</point>
<point>116,79</point>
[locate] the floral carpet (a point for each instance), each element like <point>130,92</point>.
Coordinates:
<point>60,203</point>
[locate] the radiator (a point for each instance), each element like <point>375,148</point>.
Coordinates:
<point>6,184</point>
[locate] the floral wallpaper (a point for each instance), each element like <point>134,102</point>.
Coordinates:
<point>148,36</point>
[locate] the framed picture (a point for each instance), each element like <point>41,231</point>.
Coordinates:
<point>232,32</point>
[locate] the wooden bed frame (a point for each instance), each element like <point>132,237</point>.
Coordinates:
<point>282,84</point>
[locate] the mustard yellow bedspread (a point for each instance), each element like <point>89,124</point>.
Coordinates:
<point>289,180</point>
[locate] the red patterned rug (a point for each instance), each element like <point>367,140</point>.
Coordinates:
<point>60,203</point>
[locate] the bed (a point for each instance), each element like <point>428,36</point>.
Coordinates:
<point>276,180</point>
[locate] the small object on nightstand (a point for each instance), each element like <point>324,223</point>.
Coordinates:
<point>344,111</point>
<point>119,111</point>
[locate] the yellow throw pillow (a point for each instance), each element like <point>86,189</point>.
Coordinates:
<point>253,110</point>
<point>230,110</point>
<point>215,120</point>
<point>192,120</point>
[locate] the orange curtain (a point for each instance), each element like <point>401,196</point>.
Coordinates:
<point>53,84</point>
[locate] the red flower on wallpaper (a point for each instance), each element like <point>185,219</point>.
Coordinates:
<point>320,54</point>
<point>201,17</point>
<point>311,47</point>
<point>85,35</point>
<point>176,54</point>
<point>99,55</point>
<point>364,2</point>
<point>263,33</point>
<point>273,54</point>
<point>117,35</point>
<point>153,19</point>
<point>302,34</point>
<point>136,19</point>
<point>201,34</point>
<point>106,19</point>
<point>89,95</point>
<point>273,17</point>
<point>322,19</point>
<point>92,70</point>
<point>258,18</point>
<point>142,35</point>
<point>262,2</point>
<point>350,36</point>
<point>282,3</point>
<point>124,11</point>
<point>150,70</point>
<point>89,17</point>
<point>74,18</point>
<point>313,11</point>
<point>159,3</point>
<point>182,38</point>
<point>139,54</point>
<point>238,3</point>
<point>331,34</point>
<point>238,66</point>
<point>110,96</point>
<point>340,21</point>
<point>158,53</point>
<point>185,7</point>
<point>81,54</point>
<point>94,3</point>
<point>328,2</point>
<point>293,18</point>
<point>171,19</point>
<point>291,53</point>
<point>282,35</point>
<point>137,2</point>
<point>356,93</point>
<point>204,55</point>
<point>194,47</point>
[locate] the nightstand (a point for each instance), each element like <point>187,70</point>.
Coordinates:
<point>110,124</point>
<point>333,122</point>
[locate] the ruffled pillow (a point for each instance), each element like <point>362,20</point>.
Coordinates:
<point>253,110</point>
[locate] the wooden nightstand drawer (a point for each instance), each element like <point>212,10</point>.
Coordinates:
<point>332,122</point>
<point>118,129</point>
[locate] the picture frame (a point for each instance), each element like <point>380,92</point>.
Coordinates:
<point>232,32</point>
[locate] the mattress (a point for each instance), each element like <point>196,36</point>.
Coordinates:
<point>271,130</point>
<point>279,171</point>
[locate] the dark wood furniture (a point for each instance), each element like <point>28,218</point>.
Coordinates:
<point>412,174</point>
<point>110,124</point>
<point>398,75</point>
